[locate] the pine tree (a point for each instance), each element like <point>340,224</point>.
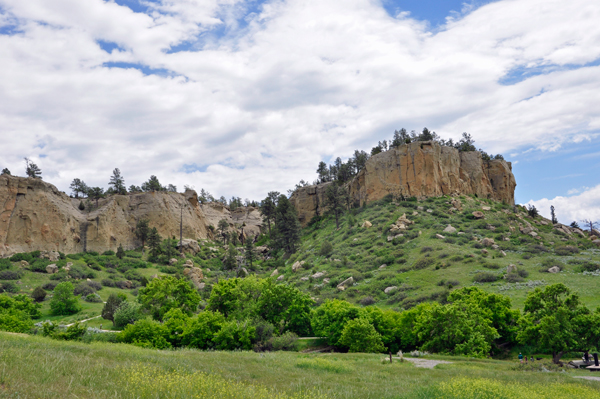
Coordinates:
<point>553,215</point>
<point>287,227</point>
<point>32,170</point>
<point>142,231</point>
<point>96,193</point>
<point>78,186</point>
<point>336,199</point>
<point>222,227</point>
<point>120,252</point>
<point>249,254</point>
<point>117,182</point>
<point>5,171</point>
<point>268,207</point>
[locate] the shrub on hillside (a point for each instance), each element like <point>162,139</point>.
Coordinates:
<point>10,275</point>
<point>367,301</point>
<point>5,264</point>
<point>423,263</point>
<point>111,305</point>
<point>127,313</point>
<point>83,289</point>
<point>39,294</point>
<point>359,335</point>
<point>147,334</point>
<point>8,286</point>
<point>21,256</point>
<point>513,278</point>
<point>485,277</point>
<point>566,250</point>
<point>94,298</point>
<point>64,302</point>
<point>108,282</point>
<point>326,249</point>
<point>39,265</point>
<point>50,285</point>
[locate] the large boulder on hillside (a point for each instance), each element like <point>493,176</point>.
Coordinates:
<point>366,224</point>
<point>297,266</point>
<point>189,246</point>
<point>511,269</point>
<point>487,242</point>
<point>554,269</point>
<point>346,283</point>
<point>478,215</point>
<point>51,269</point>
<point>450,229</point>
<point>391,289</point>
<point>52,256</point>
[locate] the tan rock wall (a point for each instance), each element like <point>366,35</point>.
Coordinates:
<point>420,169</point>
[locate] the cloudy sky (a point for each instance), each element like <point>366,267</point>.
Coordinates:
<point>243,97</point>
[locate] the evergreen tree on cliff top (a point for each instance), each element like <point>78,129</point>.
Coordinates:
<point>268,207</point>
<point>117,182</point>
<point>287,228</point>
<point>32,170</point>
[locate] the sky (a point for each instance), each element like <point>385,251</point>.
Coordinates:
<point>245,97</point>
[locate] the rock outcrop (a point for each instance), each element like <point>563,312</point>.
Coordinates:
<point>247,221</point>
<point>35,215</point>
<point>420,169</point>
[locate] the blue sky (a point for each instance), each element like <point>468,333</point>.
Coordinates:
<point>243,97</point>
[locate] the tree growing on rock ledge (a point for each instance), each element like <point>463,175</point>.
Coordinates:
<point>117,182</point>
<point>287,228</point>
<point>5,171</point>
<point>32,170</point>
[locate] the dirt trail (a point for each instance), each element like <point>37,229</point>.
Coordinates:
<point>424,363</point>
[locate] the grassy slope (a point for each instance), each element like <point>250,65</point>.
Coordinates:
<point>43,368</point>
<point>361,251</point>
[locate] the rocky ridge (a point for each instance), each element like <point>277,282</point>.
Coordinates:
<point>419,169</point>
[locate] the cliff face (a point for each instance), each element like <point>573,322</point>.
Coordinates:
<point>34,215</point>
<point>420,169</point>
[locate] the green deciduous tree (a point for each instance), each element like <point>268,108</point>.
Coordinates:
<point>329,319</point>
<point>64,302</point>
<point>147,334</point>
<point>201,329</point>
<point>165,293</point>
<point>127,313</point>
<point>359,335</point>
<point>550,319</point>
<point>16,313</point>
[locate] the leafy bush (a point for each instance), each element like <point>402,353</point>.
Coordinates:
<point>147,334</point>
<point>39,294</point>
<point>16,313</point>
<point>50,285</point>
<point>485,277</point>
<point>326,249</point>
<point>367,300</point>
<point>39,265</point>
<point>21,256</point>
<point>95,298</point>
<point>10,275</point>
<point>423,263</point>
<point>64,302</point>
<point>234,335</point>
<point>8,286</point>
<point>513,278</point>
<point>5,264</point>
<point>108,282</point>
<point>109,253</point>
<point>566,250</point>
<point>359,335</point>
<point>285,342</point>
<point>127,313</point>
<point>111,305</point>
<point>83,289</point>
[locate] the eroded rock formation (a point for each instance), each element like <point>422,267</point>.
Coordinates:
<point>35,215</point>
<point>420,169</point>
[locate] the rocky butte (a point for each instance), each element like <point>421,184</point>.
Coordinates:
<point>35,215</point>
<point>419,169</point>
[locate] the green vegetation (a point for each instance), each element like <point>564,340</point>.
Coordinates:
<point>101,370</point>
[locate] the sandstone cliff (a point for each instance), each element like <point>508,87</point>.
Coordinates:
<point>420,169</point>
<point>34,215</point>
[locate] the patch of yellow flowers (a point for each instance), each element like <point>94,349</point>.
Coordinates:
<point>141,381</point>
<point>481,388</point>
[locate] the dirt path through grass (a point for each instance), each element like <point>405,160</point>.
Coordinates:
<point>425,363</point>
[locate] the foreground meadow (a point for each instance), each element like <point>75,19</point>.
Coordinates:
<point>35,367</point>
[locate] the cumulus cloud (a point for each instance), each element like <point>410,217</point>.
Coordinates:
<point>572,208</point>
<point>243,100</point>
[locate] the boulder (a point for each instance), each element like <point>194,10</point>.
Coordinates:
<point>366,224</point>
<point>478,215</point>
<point>511,269</point>
<point>487,242</point>
<point>318,275</point>
<point>490,227</point>
<point>52,256</point>
<point>456,204</point>
<point>420,208</point>
<point>297,266</point>
<point>262,249</point>
<point>450,229</point>
<point>280,278</point>
<point>201,286</point>
<point>502,253</point>
<point>391,289</point>
<point>382,267</point>
<point>441,237</point>
<point>24,263</point>
<point>68,267</point>
<point>325,281</point>
<point>189,246</point>
<point>554,269</point>
<point>244,272</point>
<point>188,263</point>
<point>128,284</point>
<point>486,208</point>
<point>533,234</point>
<point>342,286</point>
<point>543,222</point>
<point>304,279</point>
<point>172,261</point>
<point>275,273</point>
<point>415,213</point>
<point>429,210</point>
<point>404,220</point>
<point>496,247</point>
<point>51,269</point>
<point>484,251</point>
<point>597,242</point>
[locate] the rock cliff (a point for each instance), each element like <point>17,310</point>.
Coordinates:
<point>420,169</point>
<point>35,215</point>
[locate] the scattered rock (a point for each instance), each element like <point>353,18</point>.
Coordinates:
<point>51,269</point>
<point>484,251</point>
<point>391,289</point>
<point>496,247</point>
<point>390,238</point>
<point>356,239</point>
<point>128,284</point>
<point>325,281</point>
<point>194,273</point>
<point>490,227</point>
<point>189,246</point>
<point>280,278</point>
<point>263,249</point>
<point>304,278</point>
<point>318,275</point>
<point>382,267</point>
<point>554,269</point>
<point>441,237</point>
<point>366,224</point>
<point>201,286</point>
<point>429,210</point>
<point>544,222</point>
<point>502,253</point>
<point>450,229</point>
<point>297,266</point>
<point>275,273</point>
<point>456,204</point>
<point>342,286</point>
<point>337,260</point>
<point>172,261</point>
<point>415,213</point>
<point>487,242</point>
<point>420,208</point>
<point>24,263</point>
<point>597,242</point>
<point>52,256</point>
<point>533,234</point>
<point>478,215</point>
<point>511,269</point>
<point>189,263</point>
<point>486,208</point>
<point>68,267</point>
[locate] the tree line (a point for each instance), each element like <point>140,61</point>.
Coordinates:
<point>254,313</point>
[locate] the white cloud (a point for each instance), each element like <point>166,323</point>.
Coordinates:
<point>574,208</point>
<point>302,80</point>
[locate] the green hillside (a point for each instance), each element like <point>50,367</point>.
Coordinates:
<point>422,266</point>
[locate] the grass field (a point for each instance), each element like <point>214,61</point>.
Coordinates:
<point>35,367</point>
